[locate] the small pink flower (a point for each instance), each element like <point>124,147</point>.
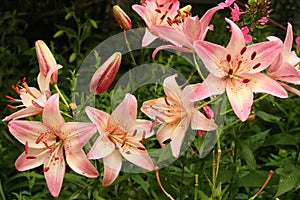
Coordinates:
<point>235,13</point>
<point>247,36</point>
<point>263,21</point>
<point>298,43</point>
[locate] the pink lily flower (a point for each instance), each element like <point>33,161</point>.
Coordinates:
<point>286,67</point>
<point>237,69</point>
<point>32,99</point>
<point>120,135</point>
<point>176,112</point>
<point>186,33</point>
<point>105,74</point>
<point>157,12</point>
<point>46,143</point>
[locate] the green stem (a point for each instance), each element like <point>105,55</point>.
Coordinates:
<point>61,95</point>
<point>181,181</point>
<point>198,67</point>
<point>196,187</point>
<point>129,49</point>
<point>85,103</point>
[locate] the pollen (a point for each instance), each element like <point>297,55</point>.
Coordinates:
<point>243,50</point>
<point>228,57</point>
<point>257,66</point>
<point>253,55</point>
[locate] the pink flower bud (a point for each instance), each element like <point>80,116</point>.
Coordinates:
<point>298,43</point>
<point>46,60</point>
<point>209,112</point>
<point>122,18</point>
<point>106,73</point>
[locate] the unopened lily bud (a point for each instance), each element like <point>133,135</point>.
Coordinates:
<point>105,75</point>
<point>46,60</point>
<point>122,18</point>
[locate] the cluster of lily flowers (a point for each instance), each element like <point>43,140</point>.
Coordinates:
<point>239,70</point>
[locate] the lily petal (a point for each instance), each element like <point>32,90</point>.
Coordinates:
<point>23,163</point>
<point>55,172</point>
<point>237,41</point>
<point>200,122</point>
<point>263,84</point>
<point>210,86</point>
<point>79,163</point>
<point>25,112</point>
<point>240,96</point>
<point>125,114</point>
<point>179,136</point>
<point>291,89</point>
<point>44,81</point>
<point>148,38</point>
<point>51,114</point>
<point>98,117</point>
<point>137,154</point>
<point>171,88</point>
<point>212,55</point>
<point>112,167</point>
<point>28,131</point>
<point>101,148</point>
<point>142,129</point>
<point>205,20</point>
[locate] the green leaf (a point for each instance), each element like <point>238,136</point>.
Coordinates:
<point>93,23</point>
<point>267,117</point>
<point>202,195</point>
<point>72,57</point>
<point>288,181</point>
<point>144,184</point>
<point>58,33</point>
<point>71,33</point>
<point>257,140</point>
<point>247,154</point>
<point>68,16</point>
<point>280,139</point>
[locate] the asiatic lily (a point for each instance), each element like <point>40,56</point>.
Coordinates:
<point>186,33</point>
<point>176,113</point>
<point>32,99</point>
<point>48,141</point>
<point>236,69</point>
<point>157,12</point>
<point>105,74</point>
<point>119,135</point>
<point>286,67</point>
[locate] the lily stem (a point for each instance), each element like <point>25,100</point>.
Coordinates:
<point>61,95</point>
<point>196,187</point>
<point>160,185</point>
<point>129,49</point>
<point>271,172</point>
<point>198,67</point>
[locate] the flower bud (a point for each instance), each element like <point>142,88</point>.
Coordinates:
<point>122,18</point>
<point>46,60</point>
<point>106,73</point>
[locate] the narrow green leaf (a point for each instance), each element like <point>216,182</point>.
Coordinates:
<point>93,23</point>
<point>58,34</point>
<point>72,57</point>
<point>267,117</point>
<point>288,181</point>
<point>68,16</point>
<point>247,154</point>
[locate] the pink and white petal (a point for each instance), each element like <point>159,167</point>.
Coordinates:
<point>41,101</point>
<point>80,164</point>
<point>178,137</point>
<point>171,88</point>
<point>142,129</point>
<point>155,108</point>
<point>101,148</point>
<point>43,81</point>
<point>25,112</point>
<point>275,65</point>
<point>240,96</point>
<point>261,83</point>
<point>54,172</point>
<point>237,41</point>
<point>27,98</point>
<point>210,86</point>
<point>291,89</point>
<point>288,42</point>
<point>265,54</point>
<point>23,163</point>
<point>173,35</point>
<point>51,115</point>
<point>286,73</point>
<point>200,122</point>
<point>112,167</point>
<point>125,114</point>
<point>172,47</point>
<point>28,131</point>
<point>205,20</point>
<point>166,132</point>
<point>98,117</point>
<point>77,134</point>
<point>137,154</point>
<point>148,38</point>
<point>139,9</point>
<point>212,55</point>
